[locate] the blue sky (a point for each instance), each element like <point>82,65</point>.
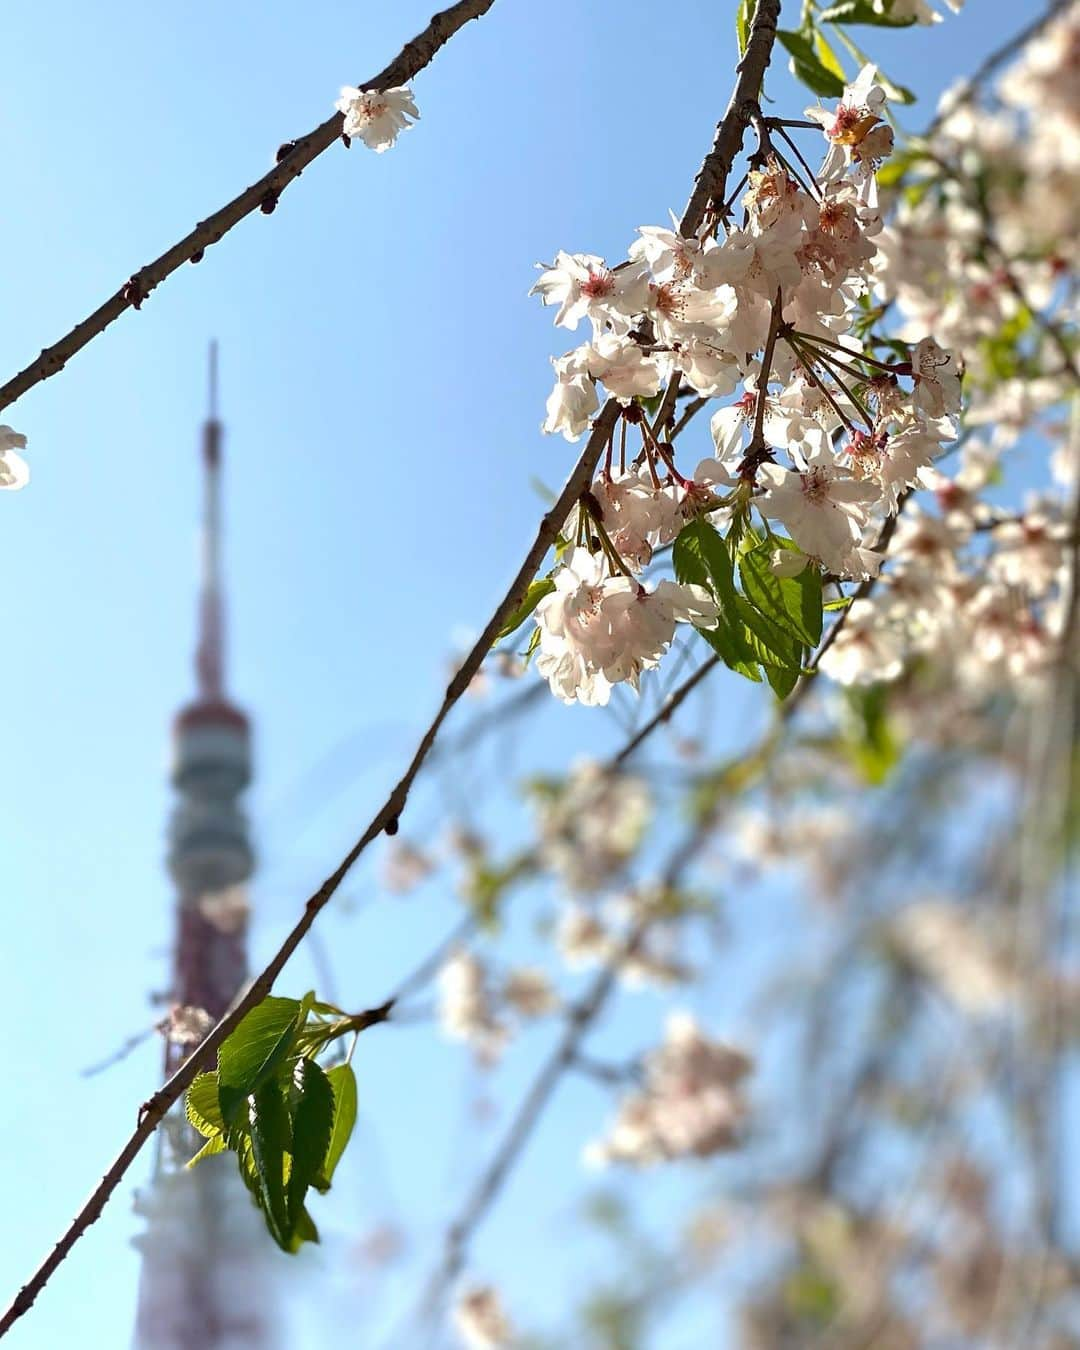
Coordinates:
<point>383,378</point>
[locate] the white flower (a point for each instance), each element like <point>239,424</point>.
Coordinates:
<point>866,650</point>
<point>597,630</point>
<point>376,116</point>
<point>583,286</point>
<point>624,368</point>
<point>824,509</point>
<point>937,379</point>
<point>465,1007</point>
<point>481,1321</point>
<point>14,471</point>
<point>573,400</point>
<point>855,132</point>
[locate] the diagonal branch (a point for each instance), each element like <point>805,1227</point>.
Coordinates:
<point>385,819</point>
<point>711,181</point>
<point>293,159</point>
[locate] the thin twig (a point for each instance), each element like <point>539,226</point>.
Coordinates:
<point>689,412</point>
<point>122,1051</point>
<point>293,159</point>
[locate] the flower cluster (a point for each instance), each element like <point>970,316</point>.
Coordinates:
<point>691,1104</point>
<point>972,602</point>
<point>824,440</point>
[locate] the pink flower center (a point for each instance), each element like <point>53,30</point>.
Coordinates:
<point>815,487</point>
<point>598,285</point>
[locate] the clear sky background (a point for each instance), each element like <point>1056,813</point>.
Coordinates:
<point>383,379</point>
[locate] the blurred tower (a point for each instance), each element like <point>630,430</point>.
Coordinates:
<point>204,1283</point>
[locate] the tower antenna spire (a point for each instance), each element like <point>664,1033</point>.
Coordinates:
<point>210,652</point>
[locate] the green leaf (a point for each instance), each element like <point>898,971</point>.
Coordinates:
<point>793,603</point>
<point>769,643</point>
<point>537,590</point>
<point>201,1105</point>
<point>343,1082</point>
<point>862,11</point>
<point>215,1144</point>
<point>530,650</point>
<point>806,66</point>
<point>827,56</point>
<point>259,1046</point>
<point>311,1100</point>
<point>744,17</point>
<point>701,558</point>
<point>872,746</point>
<point>730,646</point>
<point>268,1125</point>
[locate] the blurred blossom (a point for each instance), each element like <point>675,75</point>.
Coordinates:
<point>480,1320</point>
<point>691,1104</point>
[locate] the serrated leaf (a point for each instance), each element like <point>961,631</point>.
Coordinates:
<point>255,1050</point>
<point>201,1105</point>
<point>268,1126</point>
<point>793,603</point>
<point>215,1144</point>
<point>862,11</point>
<point>782,679</point>
<point>537,590</point>
<point>770,644</point>
<point>311,1102</point>
<point>807,68</point>
<point>343,1082</point>
<point>730,646</point>
<point>701,558</point>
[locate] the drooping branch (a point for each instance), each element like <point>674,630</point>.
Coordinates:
<point>293,159</point>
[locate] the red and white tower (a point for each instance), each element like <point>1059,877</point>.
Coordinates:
<point>205,1283</point>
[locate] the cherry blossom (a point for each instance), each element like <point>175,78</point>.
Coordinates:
<point>377,116</point>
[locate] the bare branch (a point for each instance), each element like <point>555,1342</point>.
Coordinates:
<point>293,159</point>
